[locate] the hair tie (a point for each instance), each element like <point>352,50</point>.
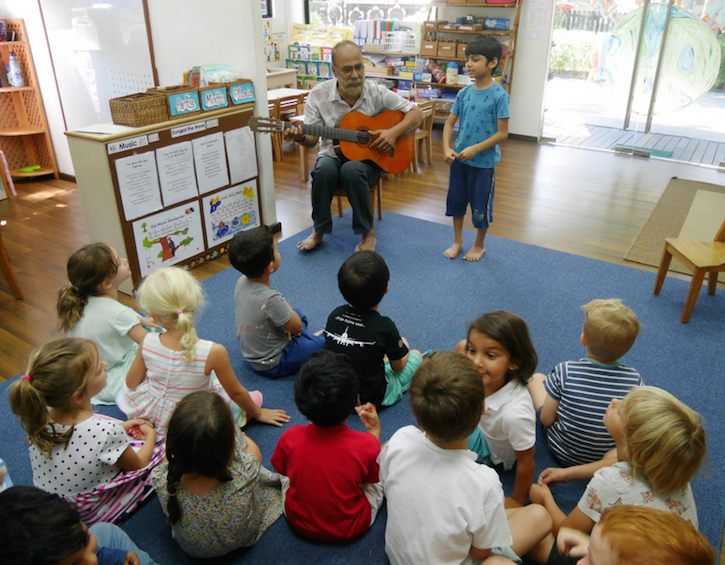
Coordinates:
<point>27,378</point>
<point>179,312</point>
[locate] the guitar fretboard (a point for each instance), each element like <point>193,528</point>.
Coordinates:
<point>352,135</point>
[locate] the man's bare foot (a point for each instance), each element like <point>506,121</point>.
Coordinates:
<point>474,254</point>
<point>368,242</point>
<point>453,251</point>
<point>310,242</point>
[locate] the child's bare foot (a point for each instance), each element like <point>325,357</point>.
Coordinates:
<point>368,242</point>
<point>474,254</point>
<point>309,243</point>
<point>453,251</point>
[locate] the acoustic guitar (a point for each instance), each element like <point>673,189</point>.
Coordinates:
<point>353,137</point>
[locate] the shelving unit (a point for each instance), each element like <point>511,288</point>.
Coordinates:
<point>506,65</point>
<point>24,134</point>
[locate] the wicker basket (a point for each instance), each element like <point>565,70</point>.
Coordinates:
<point>214,96</point>
<point>181,100</point>
<point>240,91</point>
<point>138,110</point>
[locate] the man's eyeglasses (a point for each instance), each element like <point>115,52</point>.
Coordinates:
<point>347,71</point>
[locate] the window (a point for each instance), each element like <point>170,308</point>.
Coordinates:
<point>267,9</point>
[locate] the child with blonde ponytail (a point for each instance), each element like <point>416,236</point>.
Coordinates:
<point>170,365</point>
<point>90,460</point>
<point>88,308</point>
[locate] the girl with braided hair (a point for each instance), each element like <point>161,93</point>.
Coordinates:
<point>170,365</point>
<point>214,491</point>
<point>88,308</point>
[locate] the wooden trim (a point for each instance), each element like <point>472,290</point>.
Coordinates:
<point>69,178</point>
<point>521,137</point>
<point>147,19</point>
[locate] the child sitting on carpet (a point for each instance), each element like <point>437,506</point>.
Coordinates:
<point>170,365</point>
<point>273,336</point>
<point>500,346</point>
<point>215,493</point>
<point>572,400</point>
<point>381,358</point>
<point>330,487</point>
<point>87,459</point>
<point>88,307</point>
<point>660,445</point>
<point>37,528</point>
<point>442,506</point>
<point>634,535</point>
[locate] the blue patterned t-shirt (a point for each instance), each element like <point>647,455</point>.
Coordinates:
<point>478,113</point>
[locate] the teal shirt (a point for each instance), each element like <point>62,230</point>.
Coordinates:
<point>478,113</point>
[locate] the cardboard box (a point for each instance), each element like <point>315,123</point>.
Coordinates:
<point>470,27</point>
<point>433,24</point>
<point>447,49</point>
<point>429,48</point>
<point>448,26</point>
<point>461,51</point>
<point>497,23</point>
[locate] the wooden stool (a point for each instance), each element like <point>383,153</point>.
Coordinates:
<point>376,188</point>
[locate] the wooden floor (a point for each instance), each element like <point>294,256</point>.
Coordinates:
<point>589,203</point>
<point>696,151</point>
<point>584,202</point>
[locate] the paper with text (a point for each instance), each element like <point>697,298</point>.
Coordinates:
<point>176,173</point>
<point>138,185</point>
<point>241,153</point>
<point>211,162</point>
<point>229,211</point>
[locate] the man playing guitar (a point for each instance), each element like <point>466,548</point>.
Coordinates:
<point>327,104</point>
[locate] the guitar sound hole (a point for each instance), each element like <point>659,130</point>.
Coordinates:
<point>363,137</point>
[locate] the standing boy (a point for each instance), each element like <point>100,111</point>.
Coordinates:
<point>381,358</point>
<point>273,336</point>
<point>483,109</point>
<point>330,488</point>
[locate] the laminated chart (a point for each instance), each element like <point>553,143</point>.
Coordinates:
<point>168,237</point>
<point>230,211</point>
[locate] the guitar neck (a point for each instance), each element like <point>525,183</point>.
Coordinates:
<point>340,134</point>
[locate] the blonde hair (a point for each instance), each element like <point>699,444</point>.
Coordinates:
<point>611,328</point>
<point>644,536</point>
<point>87,268</point>
<point>664,439</point>
<point>56,371</point>
<point>173,295</point>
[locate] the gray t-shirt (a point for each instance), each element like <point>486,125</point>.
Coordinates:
<point>261,312</point>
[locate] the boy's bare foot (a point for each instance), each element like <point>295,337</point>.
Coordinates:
<point>453,251</point>
<point>474,254</point>
<point>309,243</point>
<point>368,242</point>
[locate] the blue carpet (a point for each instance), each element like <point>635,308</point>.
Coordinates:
<point>432,299</point>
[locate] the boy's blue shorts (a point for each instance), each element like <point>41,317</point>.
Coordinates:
<point>474,186</point>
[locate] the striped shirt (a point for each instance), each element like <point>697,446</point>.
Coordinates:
<point>584,389</point>
<point>169,378</point>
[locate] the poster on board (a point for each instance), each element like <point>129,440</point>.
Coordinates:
<point>241,153</point>
<point>138,184</point>
<point>169,237</point>
<point>211,162</point>
<point>230,211</point>
<point>176,173</point>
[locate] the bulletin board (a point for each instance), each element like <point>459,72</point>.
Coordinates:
<point>183,191</point>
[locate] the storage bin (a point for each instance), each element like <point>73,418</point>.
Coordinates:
<point>213,97</point>
<point>141,109</point>
<point>241,91</point>
<point>182,100</point>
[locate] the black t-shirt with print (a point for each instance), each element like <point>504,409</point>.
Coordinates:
<point>365,337</point>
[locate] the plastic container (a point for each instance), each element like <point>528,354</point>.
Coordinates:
<point>452,73</point>
<point>15,77</point>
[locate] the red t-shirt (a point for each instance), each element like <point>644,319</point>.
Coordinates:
<point>325,467</point>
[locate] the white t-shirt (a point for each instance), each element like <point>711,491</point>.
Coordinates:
<point>440,502</point>
<point>615,486</point>
<point>107,322</point>
<point>509,423</point>
<point>87,461</point>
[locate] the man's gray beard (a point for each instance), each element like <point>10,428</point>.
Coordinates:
<point>353,90</point>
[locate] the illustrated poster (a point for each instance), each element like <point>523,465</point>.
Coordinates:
<point>176,173</point>
<point>168,237</point>
<point>230,211</point>
<point>138,185</point>
<point>211,162</point>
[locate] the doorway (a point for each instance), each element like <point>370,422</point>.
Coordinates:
<point>640,75</point>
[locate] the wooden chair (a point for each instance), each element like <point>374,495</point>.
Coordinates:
<point>423,137</point>
<point>377,188</point>
<point>701,257</point>
<point>8,271</point>
<point>304,151</point>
